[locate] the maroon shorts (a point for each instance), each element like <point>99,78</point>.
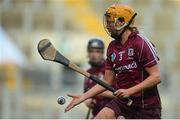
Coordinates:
<point>132,112</point>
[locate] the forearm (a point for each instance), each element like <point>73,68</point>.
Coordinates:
<point>107,94</point>
<point>151,81</point>
<point>97,89</point>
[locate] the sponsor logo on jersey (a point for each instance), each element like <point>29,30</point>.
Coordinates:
<point>126,68</point>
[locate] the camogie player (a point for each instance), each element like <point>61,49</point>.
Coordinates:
<point>132,62</point>
<point>95,49</point>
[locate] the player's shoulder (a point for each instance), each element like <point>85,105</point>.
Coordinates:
<point>112,44</point>
<point>111,47</point>
<point>139,40</point>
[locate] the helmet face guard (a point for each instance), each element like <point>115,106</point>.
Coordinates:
<point>113,23</point>
<point>109,22</point>
<point>117,19</point>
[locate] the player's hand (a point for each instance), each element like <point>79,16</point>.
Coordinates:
<point>90,103</point>
<point>122,93</point>
<point>76,99</point>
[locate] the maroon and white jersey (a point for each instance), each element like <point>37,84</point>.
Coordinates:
<point>88,84</point>
<point>129,61</point>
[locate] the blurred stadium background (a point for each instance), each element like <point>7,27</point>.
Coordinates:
<point>29,86</point>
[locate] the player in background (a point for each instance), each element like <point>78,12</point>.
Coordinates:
<point>133,62</point>
<point>95,50</point>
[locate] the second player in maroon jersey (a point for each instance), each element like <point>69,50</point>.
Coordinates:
<point>95,49</point>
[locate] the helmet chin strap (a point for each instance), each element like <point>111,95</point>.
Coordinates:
<point>125,26</point>
<point>119,28</point>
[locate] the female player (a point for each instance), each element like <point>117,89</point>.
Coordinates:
<point>132,62</point>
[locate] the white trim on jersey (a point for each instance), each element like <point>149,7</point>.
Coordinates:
<point>141,51</point>
<point>151,47</point>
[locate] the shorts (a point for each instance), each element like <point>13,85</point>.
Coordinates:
<point>133,112</point>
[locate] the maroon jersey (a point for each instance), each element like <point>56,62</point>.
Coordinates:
<point>88,84</point>
<point>129,61</point>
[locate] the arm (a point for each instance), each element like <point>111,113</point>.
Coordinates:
<point>97,89</point>
<point>107,94</point>
<point>152,80</point>
<point>149,61</point>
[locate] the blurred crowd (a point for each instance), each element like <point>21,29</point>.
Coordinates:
<point>30,86</point>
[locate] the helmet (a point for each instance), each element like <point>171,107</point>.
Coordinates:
<point>117,14</point>
<point>95,43</point>
<point>120,12</point>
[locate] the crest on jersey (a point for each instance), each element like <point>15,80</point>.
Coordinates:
<point>113,57</point>
<point>130,52</point>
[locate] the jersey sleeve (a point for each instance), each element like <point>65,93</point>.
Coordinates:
<point>148,55</point>
<point>108,63</point>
